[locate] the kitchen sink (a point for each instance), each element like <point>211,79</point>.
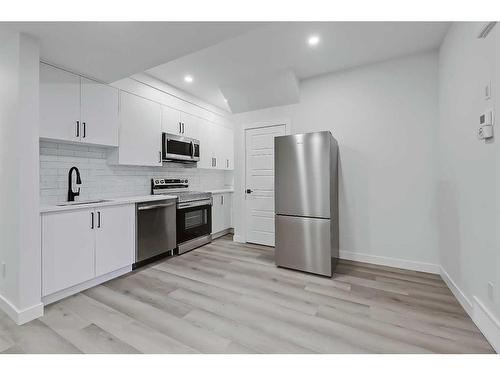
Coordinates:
<point>83,202</point>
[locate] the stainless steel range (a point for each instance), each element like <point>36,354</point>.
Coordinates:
<point>194,212</point>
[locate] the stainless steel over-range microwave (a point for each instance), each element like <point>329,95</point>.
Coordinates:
<point>180,149</point>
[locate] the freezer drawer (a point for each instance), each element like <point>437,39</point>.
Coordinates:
<point>304,244</point>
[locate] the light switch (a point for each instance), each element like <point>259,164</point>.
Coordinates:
<point>487,91</point>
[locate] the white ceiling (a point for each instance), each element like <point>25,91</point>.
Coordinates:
<point>280,47</point>
<point>110,51</point>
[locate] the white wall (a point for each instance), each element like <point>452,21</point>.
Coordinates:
<point>384,117</point>
<point>20,286</point>
<point>468,180</point>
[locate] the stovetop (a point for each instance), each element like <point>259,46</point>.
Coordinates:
<point>177,187</point>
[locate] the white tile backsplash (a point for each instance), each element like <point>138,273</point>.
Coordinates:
<point>101,180</point>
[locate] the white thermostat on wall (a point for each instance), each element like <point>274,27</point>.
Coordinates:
<point>486,125</point>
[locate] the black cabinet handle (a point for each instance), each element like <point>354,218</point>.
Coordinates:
<point>92,216</point>
<point>249,191</point>
<point>84,129</point>
<point>180,128</point>
<point>77,129</point>
<point>98,219</point>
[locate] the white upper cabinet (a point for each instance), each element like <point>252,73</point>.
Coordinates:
<point>179,123</point>
<point>59,104</point>
<point>207,139</point>
<point>189,125</point>
<point>171,120</point>
<point>226,155</point>
<point>140,132</point>
<point>99,113</point>
<point>216,145</point>
<point>77,109</point>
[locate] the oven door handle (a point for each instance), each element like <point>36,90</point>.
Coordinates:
<point>207,202</point>
<point>153,206</point>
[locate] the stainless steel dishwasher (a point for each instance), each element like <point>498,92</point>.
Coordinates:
<point>155,231</point>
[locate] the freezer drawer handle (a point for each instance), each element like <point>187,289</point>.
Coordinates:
<point>249,191</point>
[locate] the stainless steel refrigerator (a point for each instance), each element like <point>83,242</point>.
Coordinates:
<point>306,202</point>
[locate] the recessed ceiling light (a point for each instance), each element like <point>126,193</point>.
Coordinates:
<point>188,79</point>
<point>313,40</point>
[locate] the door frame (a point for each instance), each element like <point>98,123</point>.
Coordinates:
<point>252,126</point>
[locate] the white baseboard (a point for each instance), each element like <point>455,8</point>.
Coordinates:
<point>21,316</point>
<point>479,313</point>
<point>457,292</point>
<point>239,239</point>
<point>222,233</point>
<point>51,298</point>
<point>487,323</point>
<point>390,262</point>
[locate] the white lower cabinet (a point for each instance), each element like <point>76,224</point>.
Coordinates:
<point>221,212</point>
<point>115,238</point>
<point>68,244</point>
<point>81,245</point>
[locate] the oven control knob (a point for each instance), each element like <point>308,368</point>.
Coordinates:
<point>157,182</point>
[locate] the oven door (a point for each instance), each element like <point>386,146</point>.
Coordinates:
<point>180,148</point>
<point>193,220</point>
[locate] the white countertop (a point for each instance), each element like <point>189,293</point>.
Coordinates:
<point>108,202</point>
<point>220,191</point>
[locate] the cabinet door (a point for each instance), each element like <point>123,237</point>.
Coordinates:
<point>99,113</point>
<point>67,250</point>
<point>219,152</point>
<point>140,131</point>
<point>230,149</point>
<point>171,120</point>
<point>227,209</point>
<point>115,238</point>
<point>189,125</point>
<point>226,155</point>
<point>205,136</point>
<point>59,104</point>
<point>217,213</point>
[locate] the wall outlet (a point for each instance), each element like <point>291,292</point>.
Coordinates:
<point>490,291</point>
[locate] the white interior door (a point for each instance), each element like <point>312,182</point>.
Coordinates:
<point>259,152</point>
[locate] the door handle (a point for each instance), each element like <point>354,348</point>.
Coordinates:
<point>98,219</point>
<point>78,129</point>
<point>222,199</point>
<point>180,128</point>
<point>84,129</point>
<point>249,191</point>
<point>92,220</point>
<point>159,156</point>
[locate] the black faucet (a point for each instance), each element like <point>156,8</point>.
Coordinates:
<point>71,194</point>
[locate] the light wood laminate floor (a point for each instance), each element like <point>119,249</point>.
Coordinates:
<point>230,298</point>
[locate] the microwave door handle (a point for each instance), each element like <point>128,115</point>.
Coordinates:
<point>192,149</point>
